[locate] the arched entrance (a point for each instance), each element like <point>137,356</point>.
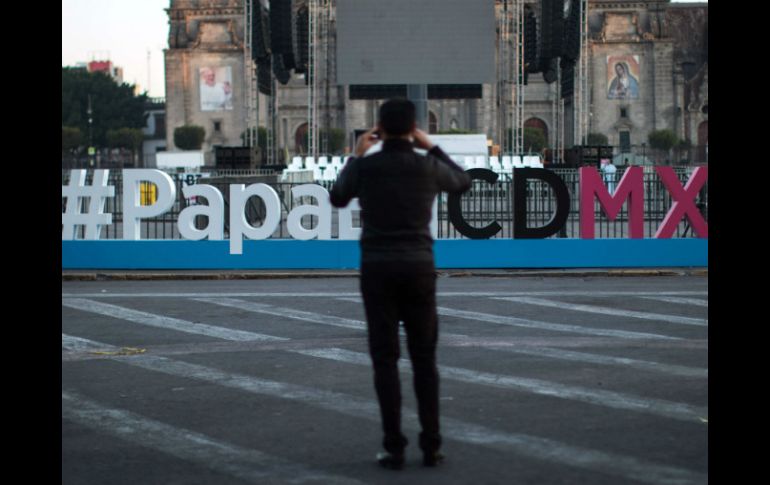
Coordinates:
<point>539,124</point>
<point>300,138</point>
<point>703,142</point>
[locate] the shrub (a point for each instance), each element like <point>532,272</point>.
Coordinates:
<point>189,137</point>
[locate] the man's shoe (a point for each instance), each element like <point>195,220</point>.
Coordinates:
<point>394,461</point>
<point>432,458</point>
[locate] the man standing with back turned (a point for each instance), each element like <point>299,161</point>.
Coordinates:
<point>396,188</point>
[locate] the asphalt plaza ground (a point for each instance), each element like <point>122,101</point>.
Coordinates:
<point>545,380</point>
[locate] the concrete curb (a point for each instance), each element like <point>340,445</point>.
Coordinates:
<point>270,275</point>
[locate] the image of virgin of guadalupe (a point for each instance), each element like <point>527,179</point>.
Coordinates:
<point>624,85</point>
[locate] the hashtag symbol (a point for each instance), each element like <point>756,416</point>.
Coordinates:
<point>77,190</point>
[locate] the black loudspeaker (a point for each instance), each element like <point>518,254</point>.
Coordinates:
<point>571,41</point>
<point>551,32</point>
<point>260,32</point>
<point>264,76</point>
<point>530,41</point>
<point>549,72</point>
<point>282,73</point>
<point>281,41</point>
<point>232,157</point>
<point>567,78</point>
<point>301,31</point>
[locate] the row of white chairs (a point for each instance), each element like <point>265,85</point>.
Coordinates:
<point>327,168</point>
<point>506,162</point>
<point>309,163</point>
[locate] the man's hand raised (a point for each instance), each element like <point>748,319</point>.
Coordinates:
<point>365,142</point>
<point>421,139</point>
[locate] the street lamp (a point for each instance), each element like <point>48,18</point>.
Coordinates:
<point>91,150</point>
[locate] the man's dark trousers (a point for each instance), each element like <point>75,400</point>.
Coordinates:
<point>389,297</point>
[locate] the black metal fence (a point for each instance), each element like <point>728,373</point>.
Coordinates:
<point>483,204</point>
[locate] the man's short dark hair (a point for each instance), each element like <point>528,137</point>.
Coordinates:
<point>397,116</point>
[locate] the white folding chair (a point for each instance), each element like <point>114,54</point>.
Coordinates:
<point>507,163</point>
<point>532,161</point>
<point>330,174</point>
<point>517,162</point>
<point>494,164</point>
<point>310,163</point>
<point>482,161</point>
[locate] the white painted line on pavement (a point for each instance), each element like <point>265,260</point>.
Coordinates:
<point>563,354</point>
<point>243,463</point>
<point>290,294</point>
<point>77,344</point>
<point>542,352</point>
<point>159,321</point>
<point>600,398</point>
<point>526,323</point>
<point>615,400</point>
<point>658,317</point>
<point>241,335</point>
<point>556,327</point>
<point>550,353</point>
<point>531,446</point>
<point>285,312</point>
<point>674,299</point>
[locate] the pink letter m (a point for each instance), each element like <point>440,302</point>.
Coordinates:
<point>631,187</point>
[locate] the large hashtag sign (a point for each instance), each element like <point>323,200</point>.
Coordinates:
<point>94,218</point>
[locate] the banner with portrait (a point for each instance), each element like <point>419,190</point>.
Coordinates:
<point>623,77</point>
<point>216,88</point>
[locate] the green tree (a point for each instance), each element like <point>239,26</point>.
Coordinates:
<point>128,138</point>
<point>113,105</point>
<point>595,139</point>
<point>189,137</point>
<point>71,138</point>
<point>336,140</point>
<point>662,141</point>
<point>534,140</point>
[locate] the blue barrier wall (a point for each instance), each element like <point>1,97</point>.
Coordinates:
<point>335,254</point>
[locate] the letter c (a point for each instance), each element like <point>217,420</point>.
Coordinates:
<point>456,214</point>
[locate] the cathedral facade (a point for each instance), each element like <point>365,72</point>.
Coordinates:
<point>647,71</point>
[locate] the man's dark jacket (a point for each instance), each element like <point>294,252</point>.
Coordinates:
<point>396,188</point>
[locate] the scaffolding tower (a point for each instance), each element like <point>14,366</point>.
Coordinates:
<point>510,81</point>
<point>583,102</point>
<point>312,78</point>
<point>517,119</point>
<point>582,95</point>
<point>250,79</point>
